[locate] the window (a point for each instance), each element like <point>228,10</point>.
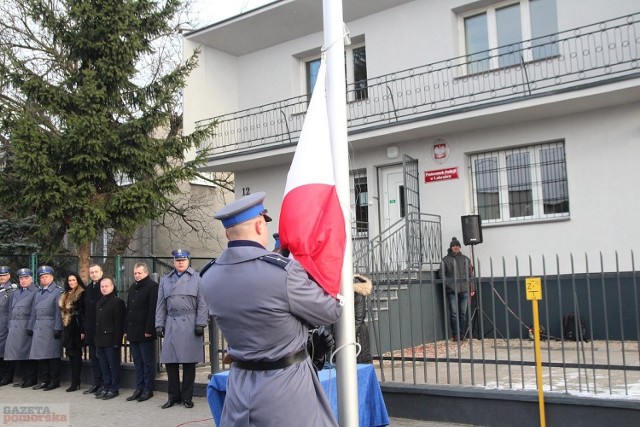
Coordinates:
<point>355,71</point>
<point>493,37</point>
<point>360,203</point>
<point>524,183</point>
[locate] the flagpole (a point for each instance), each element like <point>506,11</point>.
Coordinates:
<point>336,109</point>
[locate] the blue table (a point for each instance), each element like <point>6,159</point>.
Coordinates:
<point>372,410</point>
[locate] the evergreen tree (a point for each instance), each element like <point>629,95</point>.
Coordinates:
<point>79,128</point>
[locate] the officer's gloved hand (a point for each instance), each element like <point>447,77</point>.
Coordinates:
<point>30,332</point>
<point>57,335</point>
<point>160,332</point>
<point>199,330</point>
<point>319,344</point>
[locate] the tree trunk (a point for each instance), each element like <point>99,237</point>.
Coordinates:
<point>84,259</point>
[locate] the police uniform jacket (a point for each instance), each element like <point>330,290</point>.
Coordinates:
<point>264,309</point>
<point>180,308</point>
<point>141,310</point>
<point>6,295</point>
<point>44,320</point>
<point>18,342</point>
<point>91,296</point>
<point>110,313</point>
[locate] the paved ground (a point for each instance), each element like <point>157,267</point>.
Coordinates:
<point>86,411</point>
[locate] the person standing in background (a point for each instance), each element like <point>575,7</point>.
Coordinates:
<point>181,316</point>
<point>6,296</point>
<point>457,275</point>
<point>45,325</point>
<point>72,310</point>
<point>140,330</point>
<point>91,296</point>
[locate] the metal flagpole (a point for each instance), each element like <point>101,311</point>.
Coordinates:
<point>347,378</point>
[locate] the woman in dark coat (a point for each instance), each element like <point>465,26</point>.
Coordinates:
<point>72,310</point>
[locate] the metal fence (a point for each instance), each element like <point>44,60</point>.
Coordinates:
<point>594,54</point>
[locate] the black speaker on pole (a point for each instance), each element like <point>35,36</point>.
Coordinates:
<point>471,229</point>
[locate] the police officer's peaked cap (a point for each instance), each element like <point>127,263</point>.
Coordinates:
<point>45,269</point>
<point>276,237</point>
<point>180,254</point>
<point>4,270</point>
<point>24,272</point>
<point>242,210</point>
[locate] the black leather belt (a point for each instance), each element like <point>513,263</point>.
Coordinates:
<point>276,364</point>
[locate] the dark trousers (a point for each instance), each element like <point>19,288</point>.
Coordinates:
<point>188,379</point>
<point>95,365</point>
<point>75,362</point>
<point>144,360</point>
<point>6,371</point>
<point>109,358</point>
<point>49,371</point>
<point>28,370</point>
<point>458,306</point>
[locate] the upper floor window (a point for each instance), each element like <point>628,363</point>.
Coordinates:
<point>524,183</point>
<point>355,72</point>
<point>493,37</point>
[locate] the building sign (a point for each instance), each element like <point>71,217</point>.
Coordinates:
<point>441,175</point>
<point>440,153</point>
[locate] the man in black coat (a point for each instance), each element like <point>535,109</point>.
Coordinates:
<point>140,330</point>
<point>91,296</point>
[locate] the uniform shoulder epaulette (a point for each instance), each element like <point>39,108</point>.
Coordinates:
<point>60,288</point>
<point>207,266</point>
<point>276,259</point>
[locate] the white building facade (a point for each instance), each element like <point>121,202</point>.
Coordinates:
<point>525,112</point>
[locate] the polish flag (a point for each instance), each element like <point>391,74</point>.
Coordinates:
<point>312,224</point>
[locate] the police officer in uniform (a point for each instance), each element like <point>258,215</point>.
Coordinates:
<point>181,316</point>
<point>18,342</point>
<point>264,304</point>
<point>45,325</point>
<point>6,296</point>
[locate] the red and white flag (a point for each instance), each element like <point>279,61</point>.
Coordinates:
<point>312,224</point>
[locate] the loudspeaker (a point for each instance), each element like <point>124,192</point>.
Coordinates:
<point>471,229</point>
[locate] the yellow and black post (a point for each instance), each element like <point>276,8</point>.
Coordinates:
<point>534,293</point>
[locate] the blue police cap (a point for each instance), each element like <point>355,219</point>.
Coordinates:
<point>24,272</point>
<point>276,236</point>
<point>180,254</point>
<point>4,270</point>
<point>45,269</point>
<point>242,210</point>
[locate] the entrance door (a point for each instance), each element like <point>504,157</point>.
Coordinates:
<point>393,203</point>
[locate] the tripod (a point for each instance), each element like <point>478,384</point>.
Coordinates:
<point>474,320</point>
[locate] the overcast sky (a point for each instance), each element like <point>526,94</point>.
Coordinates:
<point>211,11</point>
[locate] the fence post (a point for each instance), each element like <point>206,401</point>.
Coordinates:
<point>33,263</point>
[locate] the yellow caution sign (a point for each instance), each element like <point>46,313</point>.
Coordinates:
<point>533,286</point>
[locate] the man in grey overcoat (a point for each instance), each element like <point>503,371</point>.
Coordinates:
<point>264,304</point>
<point>181,316</point>
<point>6,296</point>
<point>18,343</point>
<point>45,325</point>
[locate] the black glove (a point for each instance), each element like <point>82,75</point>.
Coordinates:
<point>199,330</point>
<point>319,345</point>
<point>160,332</point>
<point>57,335</point>
<point>30,332</point>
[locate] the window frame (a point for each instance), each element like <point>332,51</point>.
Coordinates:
<point>535,180</point>
<point>494,50</point>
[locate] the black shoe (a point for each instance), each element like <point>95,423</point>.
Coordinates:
<point>146,395</point>
<point>91,390</point>
<point>110,395</point>
<point>51,387</point>
<point>20,384</point>
<point>41,385</point>
<point>170,403</point>
<point>73,387</point>
<point>188,404</point>
<point>101,394</point>
<point>27,384</point>
<point>136,394</point>
<point>100,390</point>
<point>4,382</point>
